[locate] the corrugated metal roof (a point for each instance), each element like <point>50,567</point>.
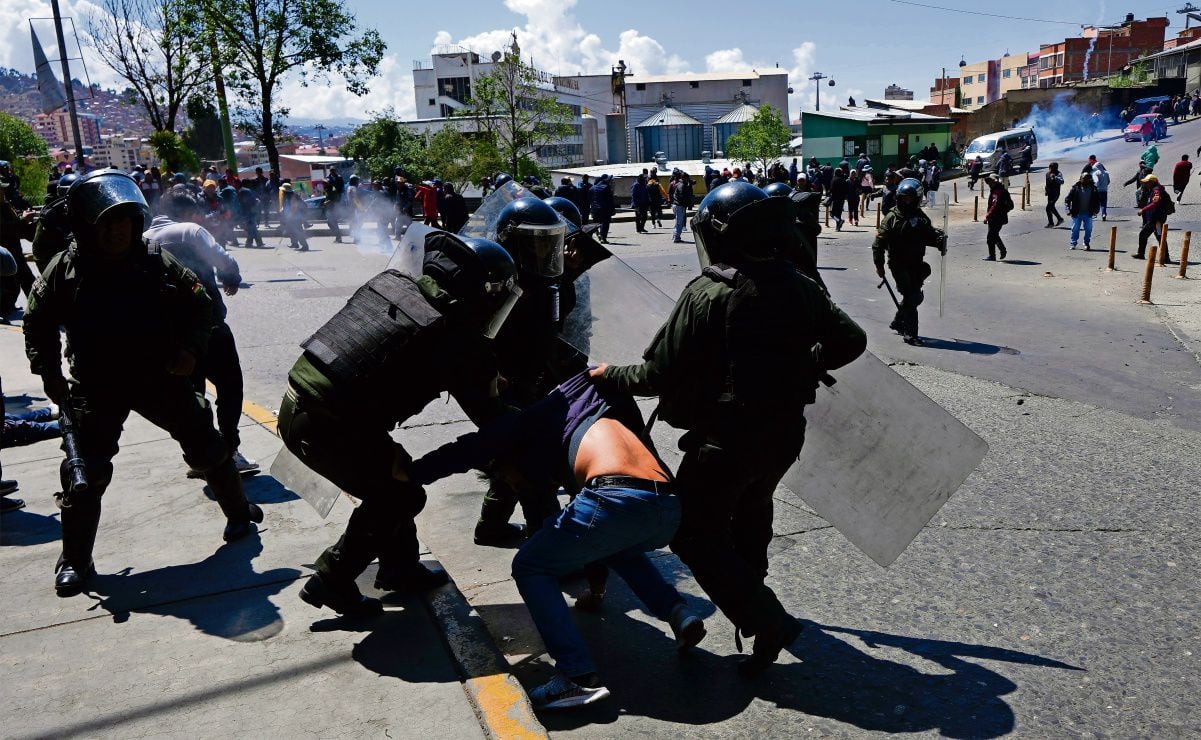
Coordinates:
<point>669,117</point>
<point>741,114</point>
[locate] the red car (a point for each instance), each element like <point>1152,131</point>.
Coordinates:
<point>1134,130</point>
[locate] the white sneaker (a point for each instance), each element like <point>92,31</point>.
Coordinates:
<point>562,693</point>
<point>244,466</point>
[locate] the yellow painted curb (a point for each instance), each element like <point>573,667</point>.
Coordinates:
<point>255,412</point>
<point>503,707</point>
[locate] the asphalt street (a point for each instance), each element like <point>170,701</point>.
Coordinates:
<point>1052,596</point>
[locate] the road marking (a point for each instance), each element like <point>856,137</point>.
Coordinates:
<point>503,707</point>
<point>252,410</point>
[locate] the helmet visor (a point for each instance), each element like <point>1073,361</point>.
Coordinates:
<point>504,295</point>
<point>538,248</point>
<point>99,195</point>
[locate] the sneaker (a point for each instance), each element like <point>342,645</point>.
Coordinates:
<point>7,487</point>
<point>1072,247</point>
<point>1137,256</point>
<point>10,504</point>
<point>244,466</point>
<point>1003,253</point>
<point>562,693</point>
<point>688,628</point>
<point>677,241</point>
<point>990,258</point>
<point>915,341</point>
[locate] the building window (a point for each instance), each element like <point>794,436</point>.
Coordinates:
<point>694,84</point>
<point>746,83</point>
<point>640,86</point>
<point>979,78</point>
<point>1007,73</point>
<point>873,147</point>
<point>967,80</point>
<point>433,102</point>
<point>980,100</point>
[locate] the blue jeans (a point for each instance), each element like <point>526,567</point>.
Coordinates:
<point>680,213</point>
<point>27,428</point>
<point>616,526</point>
<point>1087,220</point>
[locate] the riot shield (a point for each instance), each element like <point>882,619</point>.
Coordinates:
<point>482,223</point>
<point>304,482</point>
<point>616,313</point>
<point>410,252</point>
<point>880,458</point>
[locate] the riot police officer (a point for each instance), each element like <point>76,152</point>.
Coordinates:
<point>533,234</point>
<point>53,234</point>
<point>735,364</point>
<point>904,234</point>
<point>136,321</point>
<point>395,346</point>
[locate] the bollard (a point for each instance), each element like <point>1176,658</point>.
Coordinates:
<point>1113,247</point>
<point>1027,182</point>
<point>955,191</point>
<point>1188,237</point>
<point>1163,245</point>
<point>878,215</point>
<point>1147,275</point>
<point>976,210</point>
<point>1023,199</point>
<point>827,217</point>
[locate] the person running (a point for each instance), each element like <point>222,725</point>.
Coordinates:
<point>1181,174</point>
<point>1000,203</point>
<point>1052,190</point>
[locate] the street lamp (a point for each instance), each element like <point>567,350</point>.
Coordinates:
<point>817,78</point>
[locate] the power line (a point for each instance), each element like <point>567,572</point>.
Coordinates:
<point>991,15</point>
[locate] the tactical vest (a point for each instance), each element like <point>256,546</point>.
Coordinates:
<point>769,367</point>
<point>383,318</point>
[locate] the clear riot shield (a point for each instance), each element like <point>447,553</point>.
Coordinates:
<point>616,314</point>
<point>880,458</point>
<point>482,223</point>
<point>409,255</point>
<point>304,482</point>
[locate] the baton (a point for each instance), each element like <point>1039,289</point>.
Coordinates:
<point>885,284</point>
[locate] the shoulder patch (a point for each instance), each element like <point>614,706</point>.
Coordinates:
<point>40,286</point>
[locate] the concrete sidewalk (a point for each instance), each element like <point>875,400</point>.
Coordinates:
<point>183,635</point>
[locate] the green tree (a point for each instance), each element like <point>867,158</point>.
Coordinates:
<point>382,144</point>
<point>263,41</point>
<point>174,153</point>
<point>151,44</point>
<point>518,117</point>
<point>203,136</point>
<point>26,151</point>
<point>760,140</point>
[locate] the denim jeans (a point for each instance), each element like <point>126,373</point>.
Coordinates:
<point>616,526</point>
<point>25,429</point>
<point>1087,220</point>
<point>680,212</point>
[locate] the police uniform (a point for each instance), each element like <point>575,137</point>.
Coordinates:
<point>903,240</point>
<point>735,364</point>
<point>125,321</point>
<point>398,344</point>
<point>53,233</point>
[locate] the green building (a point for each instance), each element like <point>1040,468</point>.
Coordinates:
<point>886,136</point>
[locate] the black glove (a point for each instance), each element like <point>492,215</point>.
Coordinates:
<point>55,386</point>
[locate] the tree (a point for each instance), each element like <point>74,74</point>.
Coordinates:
<point>204,132</point>
<point>382,144</point>
<point>26,152</point>
<point>174,153</point>
<point>263,41</point>
<point>517,115</point>
<point>151,44</point>
<point>760,140</point>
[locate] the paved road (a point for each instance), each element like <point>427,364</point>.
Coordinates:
<point>1053,595</point>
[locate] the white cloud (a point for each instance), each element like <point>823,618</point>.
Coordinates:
<point>803,66</point>
<point>393,88</point>
<point>16,51</point>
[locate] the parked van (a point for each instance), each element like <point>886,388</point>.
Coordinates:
<point>1021,143</point>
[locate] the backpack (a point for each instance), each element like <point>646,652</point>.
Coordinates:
<point>1006,201</point>
<point>1166,203</point>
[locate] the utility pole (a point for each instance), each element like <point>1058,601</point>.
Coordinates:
<point>319,128</point>
<point>1189,11</point>
<point>817,78</point>
<point>227,134</point>
<point>62,56</point>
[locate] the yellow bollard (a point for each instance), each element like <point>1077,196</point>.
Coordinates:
<point>1113,247</point>
<point>1163,245</point>
<point>1188,237</point>
<point>1027,182</point>
<point>1147,275</point>
<point>976,210</point>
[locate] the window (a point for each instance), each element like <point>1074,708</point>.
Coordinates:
<point>980,100</point>
<point>694,84</point>
<point>746,83</point>
<point>967,80</point>
<point>433,102</point>
<point>848,147</point>
<point>640,86</point>
<point>1007,73</point>
<point>979,78</point>
<point>873,147</point>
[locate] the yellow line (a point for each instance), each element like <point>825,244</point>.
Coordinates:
<point>503,707</point>
<point>256,413</point>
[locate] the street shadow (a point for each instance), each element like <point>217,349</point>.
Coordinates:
<point>263,489</point>
<point>1021,262</point>
<point>841,676</point>
<point>221,595</point>
<point>961,345</point>
<point>23,528</point>
<point>835,269</point>
<point>22,402</point>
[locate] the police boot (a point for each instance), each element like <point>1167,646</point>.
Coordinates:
<point>413,578</point>
<point>334,585</point>
<point>498,534</point>
<point>80,520</point>
<point>240,514</point>
<point>774,629</point>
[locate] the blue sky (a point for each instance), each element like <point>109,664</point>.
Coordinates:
<point>864,45</point>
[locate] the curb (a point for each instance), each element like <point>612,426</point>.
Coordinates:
<point>500,703</point>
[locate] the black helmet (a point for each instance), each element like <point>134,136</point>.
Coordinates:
<point>478,272</point>
<point>500,178</point>
<point>354,179</point>
<point>64,184</point>
<point>909,192</point>
<point>100,193</point>
<point>179,178</point>
<point>737,222</point>
<point>534,233</point>
<point>568,210</point>
<point>778,190</point>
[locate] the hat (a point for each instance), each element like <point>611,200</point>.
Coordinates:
<point>1151,179</point>
<point>802,176</point>
<point>867,168</point>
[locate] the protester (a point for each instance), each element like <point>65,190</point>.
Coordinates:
<point>1052,189</point>
<point>1155,209</point>
<point>1101,180</point>
<point>454,209</point>
<point>1000,203</point>
<point>603,205</point>
<point>291,217</point>
<point>680,195</point>
<point>640,201</point>
<point>839,190</point>
<point>657,196</point>
<point>1181,174</point>
<point>1083,205</point>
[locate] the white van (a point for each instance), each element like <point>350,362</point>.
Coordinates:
<point>1021,143</point>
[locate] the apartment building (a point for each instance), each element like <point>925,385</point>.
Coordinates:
<point>980,84</point>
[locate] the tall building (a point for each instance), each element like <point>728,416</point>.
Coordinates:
<point>55,128</point>
<point>980,83</point>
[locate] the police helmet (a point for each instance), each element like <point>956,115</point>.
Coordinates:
<point>64,184</point>
<point>179,178</point>
<point>479,272</point>
<point>737,222</point>
<point>533,233</point>
<point>909,192</point>
<point>568,210</point>
<point>101,193</point>
<point>778,190</point>
<point>501,178</point>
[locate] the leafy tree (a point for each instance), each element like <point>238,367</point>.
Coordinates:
<point>26,152</point>
<point>517,115</point>
<point>263,41</point>
<point>204,134</point>
<point>174,153</point>
<point>382,144</point>
<point>760,140</point>
<point>151,44</point>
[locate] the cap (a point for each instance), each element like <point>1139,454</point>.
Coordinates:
<point>1151,179</point>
